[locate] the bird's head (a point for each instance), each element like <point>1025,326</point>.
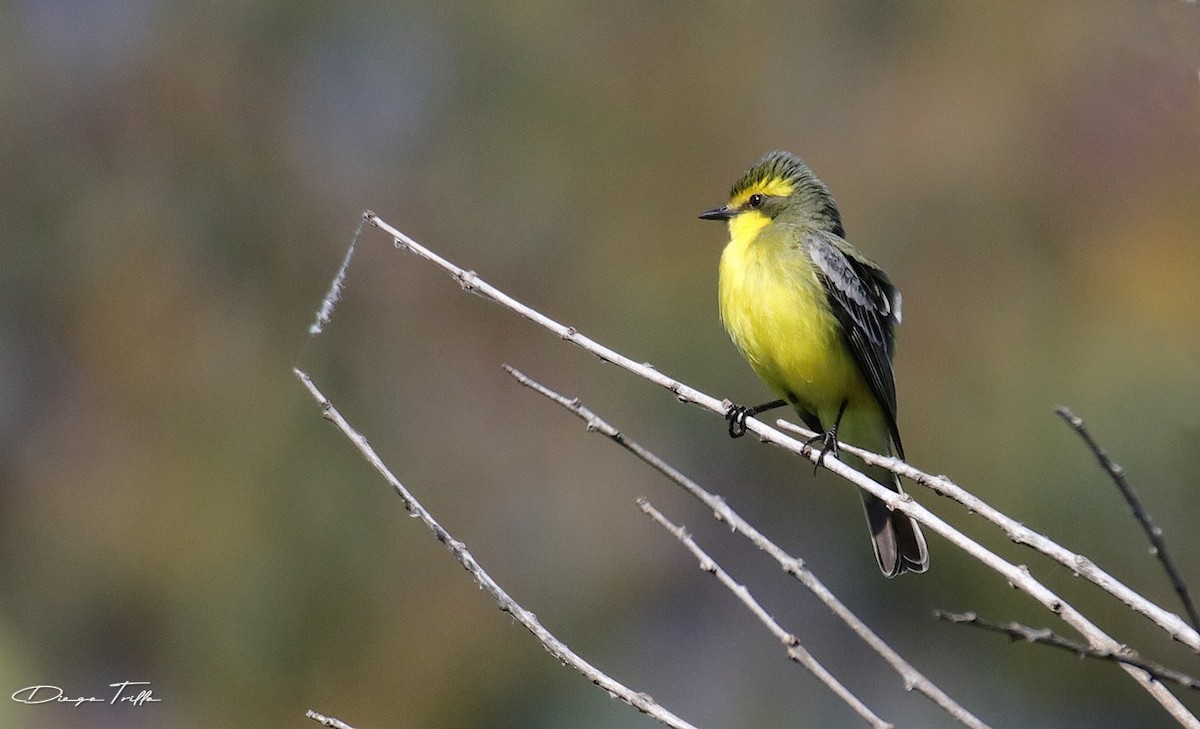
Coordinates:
<point>779,185</point>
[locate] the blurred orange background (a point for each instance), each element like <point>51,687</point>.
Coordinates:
<point>181,182</point>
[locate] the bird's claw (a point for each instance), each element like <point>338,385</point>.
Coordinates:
<point>736,415</point>
<point>829,444</point>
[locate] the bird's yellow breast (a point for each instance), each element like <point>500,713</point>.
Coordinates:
<point>778,314</point>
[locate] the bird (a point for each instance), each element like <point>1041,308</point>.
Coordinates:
<point>816,321</point>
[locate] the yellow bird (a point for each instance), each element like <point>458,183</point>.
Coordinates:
<point>815,319</point>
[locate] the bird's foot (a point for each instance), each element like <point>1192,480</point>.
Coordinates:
<point>736,415</point>
<point>829,444</point>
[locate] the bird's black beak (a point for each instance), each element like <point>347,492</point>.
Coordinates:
<point>722,213</point>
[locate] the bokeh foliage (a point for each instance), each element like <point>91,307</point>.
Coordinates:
<point>181,181</point>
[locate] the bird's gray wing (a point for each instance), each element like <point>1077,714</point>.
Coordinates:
<point>868,308</point>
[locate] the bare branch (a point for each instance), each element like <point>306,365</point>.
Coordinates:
<point>1016,576</point>
<point>1045,636</point>
<point>795,650</point>
<point>335,288</point>
<point>1158,545</point>
<point>913,679</point>
<point>328,721</point>
<point>1080,565</point>
<point>640,701</point>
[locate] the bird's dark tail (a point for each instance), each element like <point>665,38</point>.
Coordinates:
<point>899,544</point>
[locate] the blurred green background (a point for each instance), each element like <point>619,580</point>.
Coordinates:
<point>180,184</point>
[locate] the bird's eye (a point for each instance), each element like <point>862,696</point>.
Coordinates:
<point>755,201</point>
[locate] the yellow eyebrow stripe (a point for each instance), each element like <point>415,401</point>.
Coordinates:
<point>776,186</point>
